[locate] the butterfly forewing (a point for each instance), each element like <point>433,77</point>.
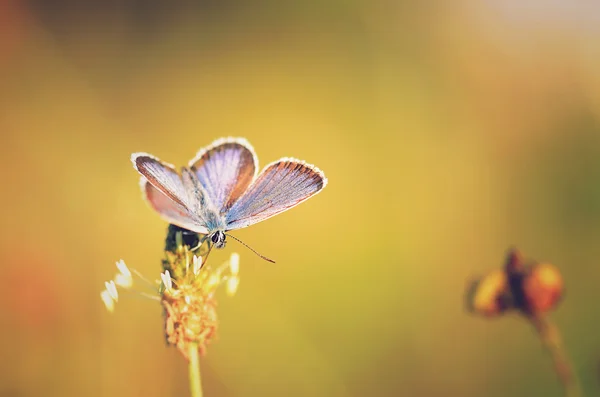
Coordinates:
<point>225,169</point>
<point>162,176</point>
<point>170,210</point>
<point>164,179</point>
<point>280,186</point>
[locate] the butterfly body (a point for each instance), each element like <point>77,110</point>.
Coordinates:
<point>220,190</point>
<point>218,238</point>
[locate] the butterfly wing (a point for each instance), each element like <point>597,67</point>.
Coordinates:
<point>280,186</point>
<point>225,169</point>
<point>168,209</point>
<point>164,190</point>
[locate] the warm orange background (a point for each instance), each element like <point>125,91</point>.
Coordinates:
<point>448,132</point>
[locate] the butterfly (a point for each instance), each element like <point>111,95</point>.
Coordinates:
<point>221,190</point>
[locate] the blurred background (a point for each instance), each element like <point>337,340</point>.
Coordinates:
<point>449,131</point>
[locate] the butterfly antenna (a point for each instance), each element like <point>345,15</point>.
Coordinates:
<point>251,249</point>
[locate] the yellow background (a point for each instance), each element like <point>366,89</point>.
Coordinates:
<point>449,131</point>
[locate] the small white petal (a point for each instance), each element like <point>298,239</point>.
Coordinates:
<point>123,281</point>
<point>123,268</point>
<point>234,263</point>
<point>197,264</point>
<point>108,301</point>
<point>111,288</point>
<point>232,285</point>
<point>166,279</point>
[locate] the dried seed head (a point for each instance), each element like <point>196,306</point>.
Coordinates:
<point>190,305</point>
<point>190,318</point>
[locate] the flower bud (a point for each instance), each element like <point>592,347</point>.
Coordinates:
<point>543,287</point>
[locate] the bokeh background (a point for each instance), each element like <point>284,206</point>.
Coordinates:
<point>449,131</point>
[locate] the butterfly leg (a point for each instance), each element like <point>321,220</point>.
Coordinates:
<point>200,242</point>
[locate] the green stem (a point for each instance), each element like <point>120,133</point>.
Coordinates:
<point>551,340</point>
<point>194,370</point>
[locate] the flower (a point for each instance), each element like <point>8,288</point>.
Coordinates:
<point>108,301</point>
<point>167,281</point>
<point>543,287</point>
<point>532,288</point>
<point>111,288</point>
<point>190,305</point>
<point>489,295</point>
<point>187,293</point>
<point>197,264</point>
<point>123,278</point>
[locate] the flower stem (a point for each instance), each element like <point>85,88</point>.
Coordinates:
<point>194,371</point>
<point>551,340</point>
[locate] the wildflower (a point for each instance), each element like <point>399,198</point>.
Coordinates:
<point>111,288</point>
<point>543,288</point>
<point>108,301</point>
<point>167,281</point>
<point>123,278</point>
<point>197,264</point>
<point>233,281</point>
<point>190,306</point>
<point>532,289</point>
<point>186,290</point>
<point>489,296</point>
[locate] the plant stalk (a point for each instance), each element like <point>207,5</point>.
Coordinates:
<point>194,371</point>
<point>551,340</point>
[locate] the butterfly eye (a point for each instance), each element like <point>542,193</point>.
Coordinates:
<point>215,237</point>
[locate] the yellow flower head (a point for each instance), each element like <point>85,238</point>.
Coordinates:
<point>186,290</point>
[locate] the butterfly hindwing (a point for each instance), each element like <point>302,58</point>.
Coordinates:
<point>170,210</point>
<point>280,186</point>
<point>163,188</point>
<point>162,176</point>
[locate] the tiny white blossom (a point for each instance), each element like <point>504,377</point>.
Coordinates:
<point>123,279</point>
<point>232,285</point>
<point>108,301</point>
<point>197,264</point>
<point>123,268</point>
<point>166,279</point>
<point>111,288</point>
<point>234,263</point>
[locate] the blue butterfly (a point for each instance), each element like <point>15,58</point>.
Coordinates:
<point>220,189</point>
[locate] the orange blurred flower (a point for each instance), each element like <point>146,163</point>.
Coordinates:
<point>532,289</point>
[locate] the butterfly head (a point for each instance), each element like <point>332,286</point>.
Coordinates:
<point>218,239</point>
